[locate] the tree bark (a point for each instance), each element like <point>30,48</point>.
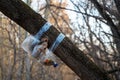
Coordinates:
<point>23,15</point>
<point>117,3</point>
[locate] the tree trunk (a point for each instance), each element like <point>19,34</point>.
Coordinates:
<point>23,15</point>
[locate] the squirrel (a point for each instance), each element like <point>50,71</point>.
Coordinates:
<point>40,52</point>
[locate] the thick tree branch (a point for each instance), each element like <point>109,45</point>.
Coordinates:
<point>113,71</point>
<point>67,51</point>
<point>117,2</point>
<point>113,12</point>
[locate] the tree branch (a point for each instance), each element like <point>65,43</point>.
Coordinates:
<point>113,71</point>
<point>117,3</point>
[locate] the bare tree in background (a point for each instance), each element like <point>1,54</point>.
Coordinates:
<point>100,43</point>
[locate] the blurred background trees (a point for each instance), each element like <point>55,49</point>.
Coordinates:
<point>94,27</point>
